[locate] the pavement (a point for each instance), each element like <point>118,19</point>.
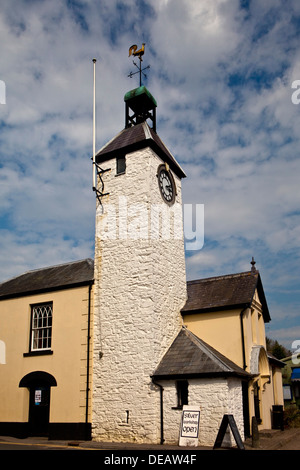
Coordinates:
<point>275,439</point>
<point>289,439</point>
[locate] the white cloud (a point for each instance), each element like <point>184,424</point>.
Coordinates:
<point>31,251</point>
<point>222,77</point>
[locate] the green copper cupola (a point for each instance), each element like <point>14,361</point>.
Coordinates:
<point>140,106</point>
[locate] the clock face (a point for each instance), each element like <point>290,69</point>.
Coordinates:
<point>166,184</point>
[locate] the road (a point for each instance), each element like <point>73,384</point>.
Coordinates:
<point>4,445</point>
<point>277,440</point>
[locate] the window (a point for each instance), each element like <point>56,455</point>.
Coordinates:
<point>182,393</point>
<point>121,165</point>
<point>41,327</point>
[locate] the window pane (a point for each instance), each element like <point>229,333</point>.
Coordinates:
<point>40,321</point>
<point>182,393</point>
<point>121,165</point>
<point>41,326</point>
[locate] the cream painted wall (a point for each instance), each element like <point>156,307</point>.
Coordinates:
<point>221,330</point>
<point>67,363</point>
<point>277,386</point>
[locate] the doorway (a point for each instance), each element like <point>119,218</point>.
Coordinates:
<point>246,408</point>
<point>39,410</point>
<point>256,390</point>
<point>39,384</point>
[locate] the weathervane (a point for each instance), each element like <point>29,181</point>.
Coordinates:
<point>139,54</point>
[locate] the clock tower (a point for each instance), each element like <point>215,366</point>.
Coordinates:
<point>140,281</point>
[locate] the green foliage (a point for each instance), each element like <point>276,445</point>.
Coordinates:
<point>291,416</point>
<point>277,349</point>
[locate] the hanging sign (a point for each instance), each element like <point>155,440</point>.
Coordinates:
<point>37,397</point>
<point>189,429</point>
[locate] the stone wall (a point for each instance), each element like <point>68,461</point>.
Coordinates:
<point>216,397</point>
<point>140,287</point>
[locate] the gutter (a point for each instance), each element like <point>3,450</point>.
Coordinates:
<point>162,440</point>
<point>44,290</point>
<point>87,431</point>
<point>243,338</point>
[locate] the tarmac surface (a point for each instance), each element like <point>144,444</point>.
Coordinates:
<point>269,440</point>
<point>274,439</point>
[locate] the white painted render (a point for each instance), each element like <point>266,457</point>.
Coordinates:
<point>140,288</point>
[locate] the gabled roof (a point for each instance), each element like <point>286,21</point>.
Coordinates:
<point>135,138</point>
<point>192,357</point>
<point>224,293</point>
<point>63,276</point>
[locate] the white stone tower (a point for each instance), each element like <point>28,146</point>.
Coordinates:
<point>140,282</point>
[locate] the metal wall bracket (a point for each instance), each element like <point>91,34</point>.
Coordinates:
<point>99,190</point>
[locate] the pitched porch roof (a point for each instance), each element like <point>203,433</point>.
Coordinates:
<point>190,356</point>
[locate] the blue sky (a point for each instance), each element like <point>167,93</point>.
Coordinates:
<point>221,72</point>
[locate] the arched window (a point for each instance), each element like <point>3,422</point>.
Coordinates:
<point>41,331</point>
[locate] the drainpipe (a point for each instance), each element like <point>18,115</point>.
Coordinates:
<point>88,363</point>
<point>162,440</point>
<point>243,338</point>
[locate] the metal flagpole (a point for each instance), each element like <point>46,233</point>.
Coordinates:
<point>94,127</point>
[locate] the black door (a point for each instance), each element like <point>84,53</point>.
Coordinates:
<point>39,408</point>
<point>256,403</point>
<point>246,409</point>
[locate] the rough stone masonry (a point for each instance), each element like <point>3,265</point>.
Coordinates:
<point>140,288</point>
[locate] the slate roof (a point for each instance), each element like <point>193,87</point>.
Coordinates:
<point>192,357</point>
<point>135,138</point>
<point>225,292</point>
<point>62,276</point>
<point>272,359</point>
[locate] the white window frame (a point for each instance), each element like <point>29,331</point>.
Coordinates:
<point>41,326</point>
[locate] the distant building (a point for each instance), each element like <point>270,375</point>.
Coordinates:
<point>291,379</point>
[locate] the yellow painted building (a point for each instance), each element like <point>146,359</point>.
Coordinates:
<point>229,313</point>
<point>46,337</point>
<point>45,332</point>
